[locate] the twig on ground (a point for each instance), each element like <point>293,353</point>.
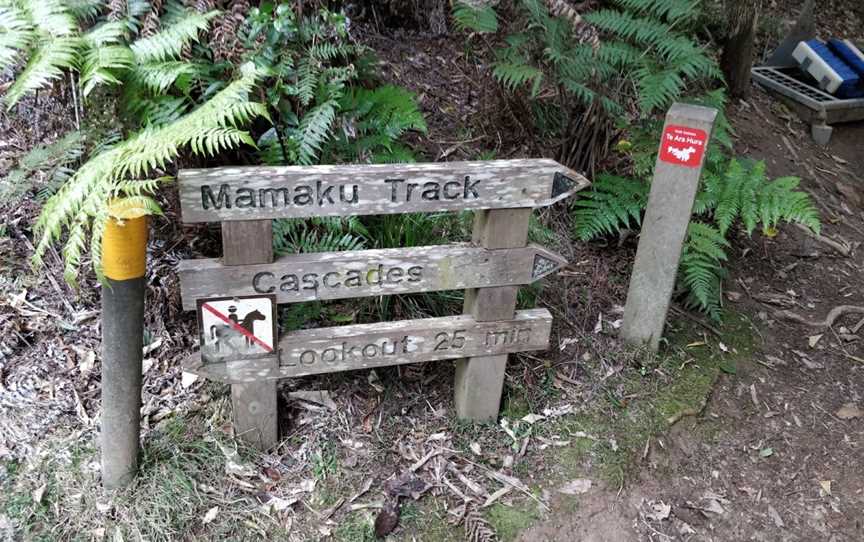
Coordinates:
<point>833,315</point>
<point>843,249</point>
<point>858,326</point>
<point>692,318</point>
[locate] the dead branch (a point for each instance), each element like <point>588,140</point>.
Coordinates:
<point>843,249</point>
<point>833,315</point>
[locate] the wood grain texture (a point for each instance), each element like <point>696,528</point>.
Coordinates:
<point>664,228</point>
<point>245,193</point>
<point>247,242</point>
<point>364,273</point>
<point>479,381</point>
<point>364,346</point>
<point>254,405</point>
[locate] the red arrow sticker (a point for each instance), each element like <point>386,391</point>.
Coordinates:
<point>683,146</point>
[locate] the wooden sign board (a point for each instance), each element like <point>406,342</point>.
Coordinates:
<point>365,273</point>
<point>258,192</point>
<point>233,328</point>
<point>364,346</point>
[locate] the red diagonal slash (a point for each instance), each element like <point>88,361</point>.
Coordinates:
<point>238,327</point>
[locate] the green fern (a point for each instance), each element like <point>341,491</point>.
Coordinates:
<point>296,236</point>
<point>513,76</point>
<point>80,206</point>
<point>482,19</point>
<point>612,204</point>
<point>44,168</point>
<point>701,267</point>
<point>645,42</point>
<point>169,42</point>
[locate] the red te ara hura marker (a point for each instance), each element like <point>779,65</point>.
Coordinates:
<point>238,327</point>
<point>683,146</point>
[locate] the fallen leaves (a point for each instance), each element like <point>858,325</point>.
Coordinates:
<point>848,411</point>
<point>210,515</point>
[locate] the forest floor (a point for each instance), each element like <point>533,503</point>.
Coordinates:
<point>749,430</point>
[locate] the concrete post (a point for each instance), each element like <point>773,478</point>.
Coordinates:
<point>670,203</point>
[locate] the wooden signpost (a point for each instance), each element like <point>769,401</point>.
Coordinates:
<point>490,269</point>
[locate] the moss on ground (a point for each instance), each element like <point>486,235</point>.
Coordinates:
<point>608,439</point>
<point>509,521</point>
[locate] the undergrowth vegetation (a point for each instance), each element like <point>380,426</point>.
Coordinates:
<point>279,85</point>
<point>594,79</point>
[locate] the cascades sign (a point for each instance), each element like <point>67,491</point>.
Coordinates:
<point>364,273</point>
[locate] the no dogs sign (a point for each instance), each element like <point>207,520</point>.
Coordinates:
<point>234,328</point>
<point>683,146</point>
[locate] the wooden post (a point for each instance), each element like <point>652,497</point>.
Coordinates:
<point>480,380</point>
<point>255,405</point>
<point>670,203</point>
<point>124,251</point>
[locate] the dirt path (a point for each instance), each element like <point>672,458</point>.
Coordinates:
<point>777,452</point>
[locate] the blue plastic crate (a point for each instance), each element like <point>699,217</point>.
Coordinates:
<point>850,54</point>
<point>832,73</point>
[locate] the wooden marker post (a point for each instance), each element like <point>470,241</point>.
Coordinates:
<point>683,145</point>
<point>480,380</point>
<point>124,251</point>
<point>254,404</point>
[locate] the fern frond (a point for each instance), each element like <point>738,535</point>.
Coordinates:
<point>670,10</point>
<point>612,204</point>
<point>158,77</point>
<point>729,202</point>
<point>16,34</point>
<point>46,63</point>
<point>84,197</point>
<point>52,18</point>
<point>701,267</point>
<point>482,19</point>
<point>168,43</point>
<point>84,10</point>
<point>513,76</point>
<point>104,65</point>
<point>315,130</point>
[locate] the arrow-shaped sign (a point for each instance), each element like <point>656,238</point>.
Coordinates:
<point>362,346</point>
<point>248,193</point>
<point>364,273</point>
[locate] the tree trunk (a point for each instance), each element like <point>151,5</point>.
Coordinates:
<point>737,58</point>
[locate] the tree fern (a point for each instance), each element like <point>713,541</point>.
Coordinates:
<point>80,206</point>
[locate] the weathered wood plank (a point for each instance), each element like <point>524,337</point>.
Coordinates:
<point>254,405</point>
<point>247,242</point>
<point>257,192</point>
<point>664,228</point>
<point>364,346</point>
<point>364,273</point>
<point>479,381</point>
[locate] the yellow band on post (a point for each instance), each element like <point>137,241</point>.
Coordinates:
<point>124,243</point>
